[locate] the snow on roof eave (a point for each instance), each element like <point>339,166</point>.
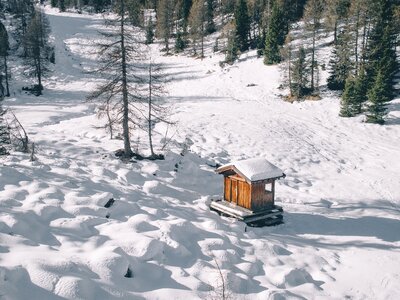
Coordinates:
<point>246,169</point>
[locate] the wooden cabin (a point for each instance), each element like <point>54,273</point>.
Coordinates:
<point>249,187</point>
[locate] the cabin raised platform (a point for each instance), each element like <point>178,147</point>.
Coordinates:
<point>266,217</point>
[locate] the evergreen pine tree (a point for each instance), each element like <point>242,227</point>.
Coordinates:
<point>381,49</point>
<point>186,6</point>
<point>22,12</point>
<point>361,90</point>
<point>135,12</point>
<point>227,6</point>
<point>61,5</point>
<point>179,42</point>
<point>377,101</point>
<point>149,32</point>
<point>100,5</point>
<point>349,98</point>
<point>231,53</point>
<point>388,64</point>
<point>183,12</point>
<point>340,62</point>
<point>296,9</point>
<point>210,25</point>
<point>242,25</point>
<point>274,36</point>
<point>256,8</point>
<point>299,75</point>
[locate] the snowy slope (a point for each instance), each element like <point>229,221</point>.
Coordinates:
<point>341,196</point>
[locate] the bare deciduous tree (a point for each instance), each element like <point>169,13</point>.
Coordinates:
<point>37,46</point>
<point>4,49</point>
<point>118,95</point>
<point>154,92</point>
<point>313,13</point>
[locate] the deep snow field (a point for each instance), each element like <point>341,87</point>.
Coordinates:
<point>341,196</point>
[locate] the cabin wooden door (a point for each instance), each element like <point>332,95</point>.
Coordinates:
<point>234,190</point>
<point>227,192</point>
<point>244,194</point>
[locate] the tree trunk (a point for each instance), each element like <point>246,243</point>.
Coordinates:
<point>1,88</point>
<point>150,106</point>
<point>24,25</point>
<point>356,41</point>
<point>39,75</point>
<point>202,40</point>
<point>6,76</point>
<point>313,59</point>
<point>125,117</point>
<point>110,122</point>
<point>364,39</point>
<point>335,32</point>
<point>290,71</point>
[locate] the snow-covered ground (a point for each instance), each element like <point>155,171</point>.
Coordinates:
<point>341,196</point>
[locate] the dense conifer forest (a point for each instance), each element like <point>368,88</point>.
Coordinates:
<point>362,66</point>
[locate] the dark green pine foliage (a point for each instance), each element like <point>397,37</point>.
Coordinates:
<point>53,3</point>
<point>100,5</point>
<point>210,25</point>
<point>354,94</point>
<point>186,6</point>
<point>231,53</point>
<point>388,64</point>
<point>242,26</point>
<point>183,13</point>
<point>349,99</point>
<point>377,101</point>
<point>361,90</point>
<point>135,12</point>
<point>182,20</point>
<point>256,11</point>
<point>180,43</point>
<point>381,50</point>
<point>300,75</point>
<point>61,5</point>
<point>21,16</point>
<point>296,9</point>
<point>227,6</point>
<point>275,36</point>
<point>149,33</point>
<point>340,62</point>
<point>381,65</point>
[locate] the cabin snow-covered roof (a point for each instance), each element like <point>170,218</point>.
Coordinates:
<point>254,169</point>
